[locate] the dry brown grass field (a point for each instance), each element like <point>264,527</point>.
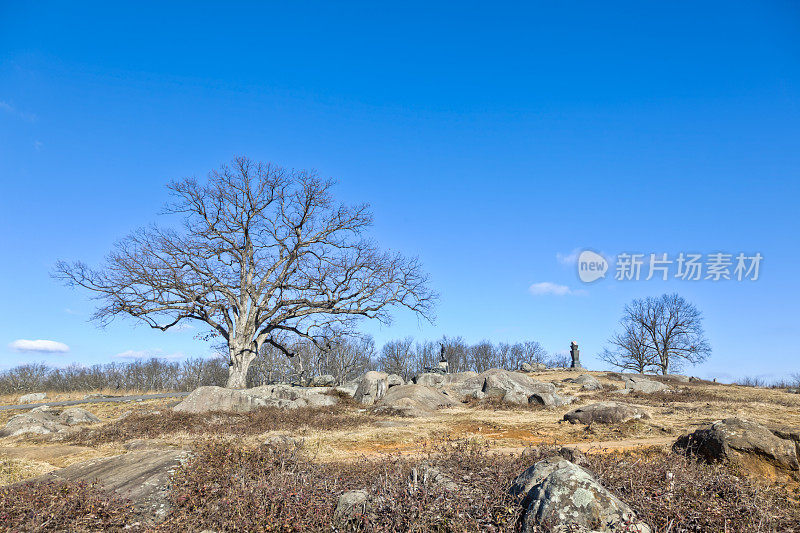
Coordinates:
<point>349,434</point>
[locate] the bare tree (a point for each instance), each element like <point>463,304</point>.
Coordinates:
<point>265,256</point>
<point>456,352</point>
<point>348,357</point>
<point>630,349</point>
<point>397,357</point>
<point>664,332</point>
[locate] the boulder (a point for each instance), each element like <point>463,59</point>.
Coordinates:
<point>588,383</point>
<point>414,400</point>
<point>550,399</point>
<point>211,398</point>
<point>94,396</point>
<point>462,386</point>
<point>428,475</point>
<point>325,380</point>
<point>351,503</point>
<point>348,388</point>
<point>298,396</point>
<point>76,415</point>
<point>429,379</point>
<point>675,378</point>
<point>373,387</point>
<point>532,367</point>
<point>139,476</point>
<point>394,380</point>
<point>561,496</point>
<point>759,450</point>
<point>42,422</point>
<point>606,413</point>
<point>498,383</point>
<point>33,397</point>
<point>639,384</point>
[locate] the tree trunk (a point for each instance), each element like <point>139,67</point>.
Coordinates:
<point>240,359</point>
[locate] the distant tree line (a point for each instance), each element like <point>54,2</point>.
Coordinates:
<point>345,358</point>
<point>139,376</point>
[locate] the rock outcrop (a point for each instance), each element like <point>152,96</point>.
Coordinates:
<point>211,398</point>
<point>44,421</point>
<point>350,504</point>
<point>757,449</point>
<point>561,496</point>
<point>34,423</point>
<point>513,388</point>
<point>33,397</point>
<point>606,413</point>
<point>532,367</point>
<point>588,382</point>
<point>77,415</point>
<point>414,400</point>
<point>140,476</point>
<point>640,384</point>
<point>372,387</point>
<point>325,380</point>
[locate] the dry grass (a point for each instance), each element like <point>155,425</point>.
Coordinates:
<point>168,422</point>
<point>13,470</point>
<point>228,486</point>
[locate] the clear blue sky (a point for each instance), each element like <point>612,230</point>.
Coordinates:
<point>488,138</point>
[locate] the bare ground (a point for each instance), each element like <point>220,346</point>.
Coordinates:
<point>692,405</point>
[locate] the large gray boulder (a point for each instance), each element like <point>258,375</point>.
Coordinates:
<point>550,399</point>
<point>588,382</point>
<point>606,413</point>
<point>33,397</point>
<point>299,396</point>
<point>532,367</point>
<point>41,422</point>
<point>759,450</point>
<point>350,504</point>
<point>325,380</point>
<point>139,476</point>
<point>394,380</point>
<point>349,388</point>
<point>211,398</point>
<point>77,415</point>
<point>372,387</point>
<point>414,400</point>
<point>497,383</point>
<point>462,386</point>
<point>561,496</point>
<point>429,379</point>
<point>640,384</point>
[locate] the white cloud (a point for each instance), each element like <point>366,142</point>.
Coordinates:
<point>549,288</point>
<point>41,346</point>
<point>8,108</point>
<point>149,354</point>
<point>568,259</point>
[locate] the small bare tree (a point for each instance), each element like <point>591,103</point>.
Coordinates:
<point>630,349</point>
<point>397,357</point>
<point>663,333</point>
<point>265,256</point>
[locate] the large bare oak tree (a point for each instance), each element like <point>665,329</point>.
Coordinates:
<point>662,333</point>
<point>264,256</point>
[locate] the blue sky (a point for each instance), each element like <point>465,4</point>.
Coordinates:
<point>491,139</point>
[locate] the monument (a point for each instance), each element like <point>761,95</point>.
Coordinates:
<point>576,355</point>
<point>443,361</point>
